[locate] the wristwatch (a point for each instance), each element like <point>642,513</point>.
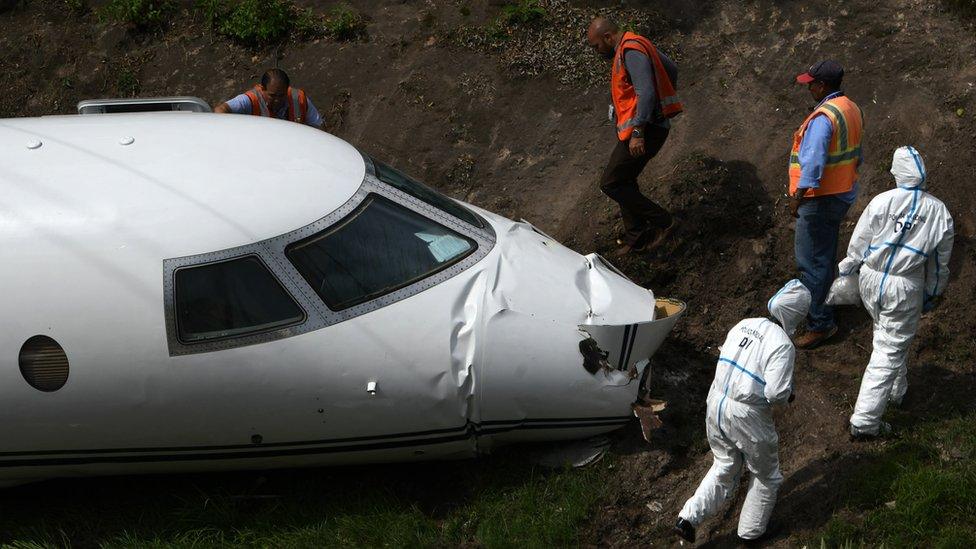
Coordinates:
<point>638,132</point>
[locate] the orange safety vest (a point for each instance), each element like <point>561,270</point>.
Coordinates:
<point>622,89</point>
<point>844,152</point>
<point>298,103</point>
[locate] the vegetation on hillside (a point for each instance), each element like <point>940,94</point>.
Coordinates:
<point>919,491</point>
<point>248,22</point>
<point>533,37</point>
<point>504,502</point>
<point>143,14</point>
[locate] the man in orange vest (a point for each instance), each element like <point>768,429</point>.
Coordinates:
<point>823,184</point>
<point>274,97</point>
<point>642,87</point>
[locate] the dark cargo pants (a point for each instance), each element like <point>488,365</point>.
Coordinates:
<point>619,182</point>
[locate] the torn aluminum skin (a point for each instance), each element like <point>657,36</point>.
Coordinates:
<point>586,333</point>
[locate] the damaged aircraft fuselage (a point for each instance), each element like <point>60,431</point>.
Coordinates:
<point>172,304</point>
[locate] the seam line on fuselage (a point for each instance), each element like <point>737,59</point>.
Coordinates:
<point>475,428</point>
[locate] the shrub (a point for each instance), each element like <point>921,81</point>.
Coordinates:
<point>144,14</point>
<point>345,24</point>
<point>76,7</point>
<point>307,24</point>
<point>254,22</point>
<point>213,11</point>
<point>261,22</point>
<point>523,13</point>
<point>127,83</point>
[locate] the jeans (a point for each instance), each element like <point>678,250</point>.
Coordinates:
<point>619,182</point>
<point>816,254</point>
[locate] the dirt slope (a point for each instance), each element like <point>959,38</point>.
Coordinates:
<point>533,147</point>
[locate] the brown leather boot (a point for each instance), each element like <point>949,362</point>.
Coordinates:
<point>813,339</point>
<point>662,235</point>
<point>638,245</point>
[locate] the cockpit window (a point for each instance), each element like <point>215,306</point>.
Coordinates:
<point>379,248</point>
<point>231,298</point>
<point>418,190</point>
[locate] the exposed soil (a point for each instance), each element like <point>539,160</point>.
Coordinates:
<point>473,121</point>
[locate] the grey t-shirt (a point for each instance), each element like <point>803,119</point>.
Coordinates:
<point>642,77</point>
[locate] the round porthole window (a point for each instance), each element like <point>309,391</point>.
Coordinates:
<point>43,363</point>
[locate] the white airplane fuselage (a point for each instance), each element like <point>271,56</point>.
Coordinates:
<point>438,334</point>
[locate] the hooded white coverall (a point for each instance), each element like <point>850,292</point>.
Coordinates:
<point>901,249</point>
<point>754,371</point>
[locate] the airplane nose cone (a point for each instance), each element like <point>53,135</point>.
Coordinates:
<point>565,337</point>
<point>541,277</point>
<point>538,274</point>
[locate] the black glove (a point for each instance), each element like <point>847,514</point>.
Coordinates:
<point>791,399</point>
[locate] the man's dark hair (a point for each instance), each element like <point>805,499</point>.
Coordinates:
<point>275,74</point>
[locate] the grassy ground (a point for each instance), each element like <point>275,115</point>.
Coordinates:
<point>916,491</point>
<point>500,501</point>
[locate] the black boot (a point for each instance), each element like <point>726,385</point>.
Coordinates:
<point>884,431</point>
<point>684,530</point>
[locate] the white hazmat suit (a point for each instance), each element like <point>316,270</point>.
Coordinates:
<point>900,251</point>
<point>754,371</point>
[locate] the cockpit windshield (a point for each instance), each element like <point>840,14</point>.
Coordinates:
<point>379,248</point>
<point>418,190</point>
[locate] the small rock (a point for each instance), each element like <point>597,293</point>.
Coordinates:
<point>655,506</point>
<point>890,505</point>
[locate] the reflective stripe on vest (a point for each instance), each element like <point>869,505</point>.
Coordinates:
<point>294,107</point>
<point>259,107</point>
<point>298,104</point>
<point>843,152</point>
<point>622,89</point>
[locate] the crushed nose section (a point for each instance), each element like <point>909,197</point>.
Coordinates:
<point>630,349</point>
<point>626,345</point>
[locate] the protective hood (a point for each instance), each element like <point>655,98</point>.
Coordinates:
<point>908,168</point>
<point>789,305</point>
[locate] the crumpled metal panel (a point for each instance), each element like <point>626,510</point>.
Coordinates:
<point>629,344</point>
<point>542,301</point>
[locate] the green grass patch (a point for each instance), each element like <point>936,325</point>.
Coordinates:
<point>343,24</point>
<point>250,22</point>
<point>77,7</point>
<point>263,22</point>
<point>143,14</point>
<point>126,83</point>
<point>524,14</point>
<point>919,491</point>
<point>500,501</point>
